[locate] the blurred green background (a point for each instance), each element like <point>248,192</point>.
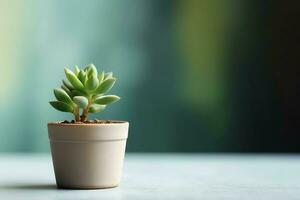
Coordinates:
<point>194,75</point>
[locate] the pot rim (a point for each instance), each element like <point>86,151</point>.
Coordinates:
<point>116,123</point>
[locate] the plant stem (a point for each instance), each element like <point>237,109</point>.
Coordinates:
<point>85,111</point>
<point>84,115</point>
<point>77,115</point>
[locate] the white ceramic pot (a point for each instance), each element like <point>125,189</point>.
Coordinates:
<point>87,156</point>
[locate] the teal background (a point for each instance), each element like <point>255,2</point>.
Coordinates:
<point>193,75</point>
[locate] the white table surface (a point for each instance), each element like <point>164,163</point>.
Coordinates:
<point>163,176</point>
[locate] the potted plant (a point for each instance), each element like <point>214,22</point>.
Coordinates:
<point>86,153</point>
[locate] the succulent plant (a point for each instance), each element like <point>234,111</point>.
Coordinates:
<point>84,92</point>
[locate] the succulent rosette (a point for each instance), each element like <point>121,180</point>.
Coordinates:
<point>84,92</point>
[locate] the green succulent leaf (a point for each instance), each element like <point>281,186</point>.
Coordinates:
<point>67,90</point>
<point>108,75</point>
<point>82,76</point>
<point>73,79</point>
<point>87,67</point>
<point>95,96</point>
<point>106,85</point>
<point>68,85</point>
<point>62,95</point>
<point>78,93</point>
<point>107,99</point>
<point>101,77</point>
<point>77,70</point>
<point>61,106</point>
<point>96,108</point>
<point>81,101</point>
<point>91,70</point>
<point>92,82</point>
